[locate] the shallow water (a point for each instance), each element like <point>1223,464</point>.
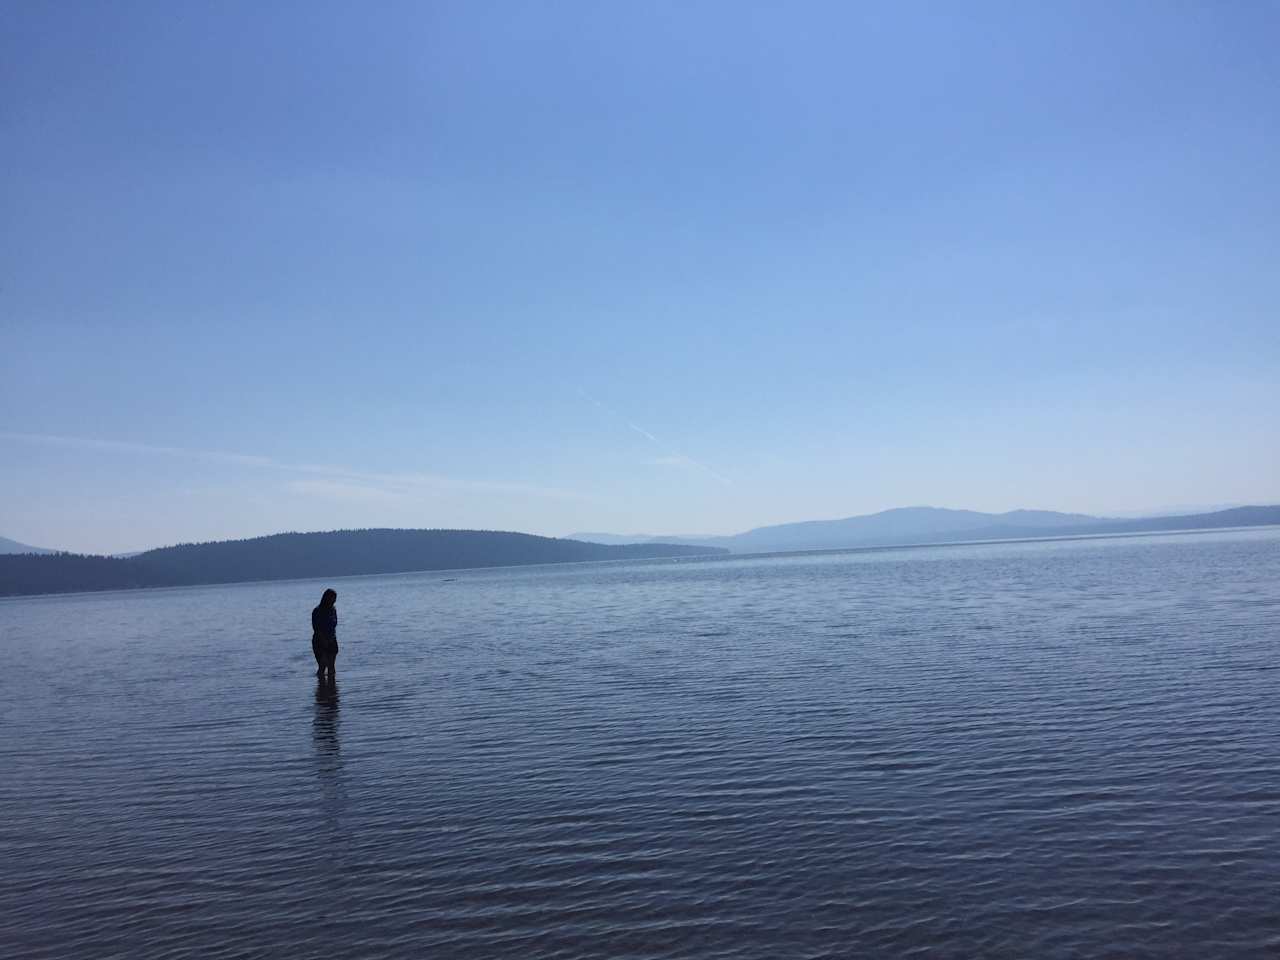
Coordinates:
<point>1018,750</point>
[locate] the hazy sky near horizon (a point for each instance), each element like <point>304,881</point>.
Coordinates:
<point>651,267</point>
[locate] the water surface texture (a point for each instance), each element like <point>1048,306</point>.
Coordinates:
<point>1019,750</point>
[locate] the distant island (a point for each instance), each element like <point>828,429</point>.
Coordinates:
<point>295,556</point>
<point>907,526</point>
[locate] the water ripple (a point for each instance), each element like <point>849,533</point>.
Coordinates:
<point>1048,750</point>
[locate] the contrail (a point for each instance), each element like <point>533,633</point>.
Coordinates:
<point>672,453</point>
<point>388,482</point>
<point>643,432</point>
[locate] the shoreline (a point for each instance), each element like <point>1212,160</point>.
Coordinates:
<point>703,557</point>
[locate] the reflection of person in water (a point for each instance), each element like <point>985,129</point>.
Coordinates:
<point>331,788</point>
<point>324,725</point>
<point>324,633</point>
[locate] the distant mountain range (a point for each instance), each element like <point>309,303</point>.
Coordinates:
<point>13,546</point>
<point>340,553</point>
<point>918,525</point>
<point>290,556</point>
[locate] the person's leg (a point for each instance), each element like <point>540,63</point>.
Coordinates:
<point>331,658</point>
<point>318,650</point>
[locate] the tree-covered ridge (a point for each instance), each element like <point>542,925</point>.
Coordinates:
<point>288,556</point>
<point>27,573</point>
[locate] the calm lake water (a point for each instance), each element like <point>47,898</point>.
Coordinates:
<point>1042,750</point>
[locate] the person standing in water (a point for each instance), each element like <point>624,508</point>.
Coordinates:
<point>324,633</point>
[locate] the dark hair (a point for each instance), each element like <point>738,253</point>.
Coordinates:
<point>329,597</point>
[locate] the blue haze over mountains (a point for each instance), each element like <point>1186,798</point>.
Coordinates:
<point>384,550</point>
<point>900,526</point>
<point>13,546</point>
<point>907,525</point>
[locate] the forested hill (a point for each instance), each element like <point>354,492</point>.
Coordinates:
<point>288,556</point>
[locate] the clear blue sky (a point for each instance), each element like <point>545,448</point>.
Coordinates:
<point>663,267</point>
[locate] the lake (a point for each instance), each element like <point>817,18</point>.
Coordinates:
<point>1061,749</point>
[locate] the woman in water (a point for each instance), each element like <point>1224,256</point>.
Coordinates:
<point>324,633</point>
